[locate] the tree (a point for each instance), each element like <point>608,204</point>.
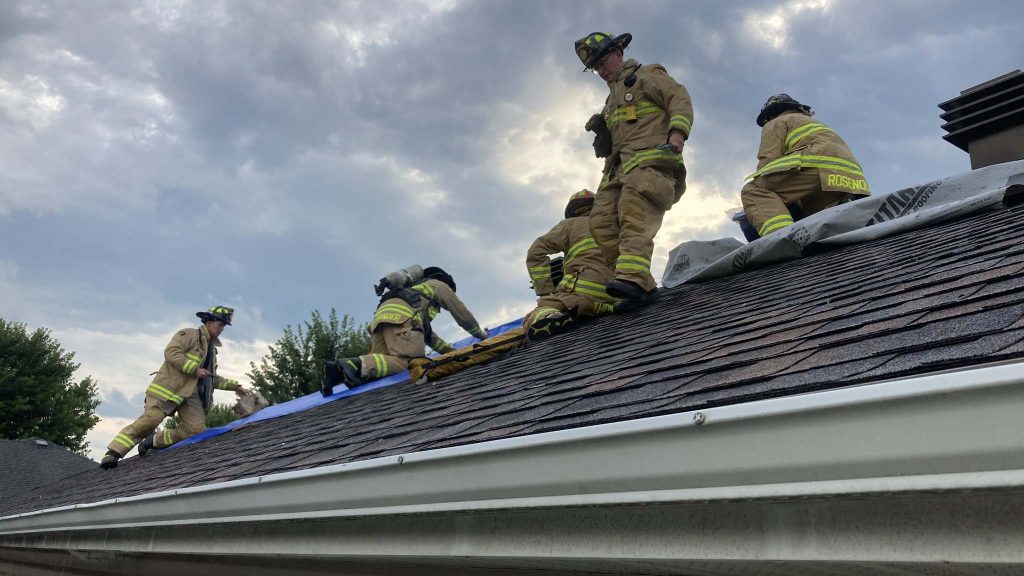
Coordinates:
<point>38,394</point>
<point>295,365</point>
<point>219,415</point>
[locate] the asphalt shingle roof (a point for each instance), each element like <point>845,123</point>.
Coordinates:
<point>30,463</point>
<point>947,296</point>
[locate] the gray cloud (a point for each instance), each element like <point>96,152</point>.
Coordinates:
<point>285,158</point>
<point>115,404</point>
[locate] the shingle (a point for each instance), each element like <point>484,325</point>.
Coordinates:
<point>947,296</point>
<point>34,462</point>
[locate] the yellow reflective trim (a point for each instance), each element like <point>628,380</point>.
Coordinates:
<point>779,164</point>
<point>168,437</point>
<point>808,161</point>
<point>654,154</point>
<point>587,243</point>
<point>382,365</point>
<point>190,366</point>
<point>426,290</point>
<point>165,393</point>
<point>633,111</point>
<point>798,134</point>
<point>397,307</point>
<point>540,272</point>
<point>628,262</point>
<point>391,312</point>
<point>544,312</point>
<point>394,312</point>
<point>680,121</point>
<point>597,292</point>
<point>774,223</point>
<point>124,441</point>
<point>833,159</point>
<point>587,288</point>
<point>634,259</point>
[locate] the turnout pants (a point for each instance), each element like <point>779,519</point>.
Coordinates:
<point>627,214</point>
<point>392,346</point>
<point>190,412</point>
<point>564,301</point>
<point>765,198</point>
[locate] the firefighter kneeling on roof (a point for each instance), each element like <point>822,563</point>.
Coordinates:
<point>184,384</point>
<point>802,164</point>
<point>581,291</point>
<point>410,299</point>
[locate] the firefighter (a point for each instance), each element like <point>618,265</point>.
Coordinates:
<point>183,385</point>
<point>640,132</point>
<point>801,163</point>
<point>401,328</point>
<point>581,292</point>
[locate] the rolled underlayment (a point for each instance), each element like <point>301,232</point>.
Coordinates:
<point>876,216</point>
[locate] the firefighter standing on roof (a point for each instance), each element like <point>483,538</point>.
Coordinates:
<point>189,359</point>
<point>800,161</point>
<point>581,291</point>
<point>401,328</point>
<point>646,120</point>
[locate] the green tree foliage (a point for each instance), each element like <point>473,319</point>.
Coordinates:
<point>219,415</point>
<point>38,395</point>
<point>294,366</point>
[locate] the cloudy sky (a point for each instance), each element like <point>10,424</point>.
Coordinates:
<point>157,158</point>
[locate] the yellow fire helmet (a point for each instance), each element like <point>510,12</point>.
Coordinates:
<point>222,313</point>
<point>593,46</point>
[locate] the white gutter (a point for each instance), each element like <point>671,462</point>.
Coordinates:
<point>848,473</point>
<point>950,431</point>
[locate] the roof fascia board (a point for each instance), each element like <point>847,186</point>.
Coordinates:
<point>950,431</point>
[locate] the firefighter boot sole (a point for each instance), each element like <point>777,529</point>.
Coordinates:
<point>549,326</point>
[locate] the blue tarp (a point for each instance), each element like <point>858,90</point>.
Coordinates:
<point>314,400</point>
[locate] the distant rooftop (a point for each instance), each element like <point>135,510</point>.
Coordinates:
<point>31,463</point>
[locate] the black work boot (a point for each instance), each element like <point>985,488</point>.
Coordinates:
<point>110,460</point>
<point>549,326</point>
<point>624,289</point>
<point>631,303</point>
<point>146,445</point>
<point>353,370</point>
<point>332,377</point>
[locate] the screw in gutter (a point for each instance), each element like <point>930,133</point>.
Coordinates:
<point>698,418</point>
